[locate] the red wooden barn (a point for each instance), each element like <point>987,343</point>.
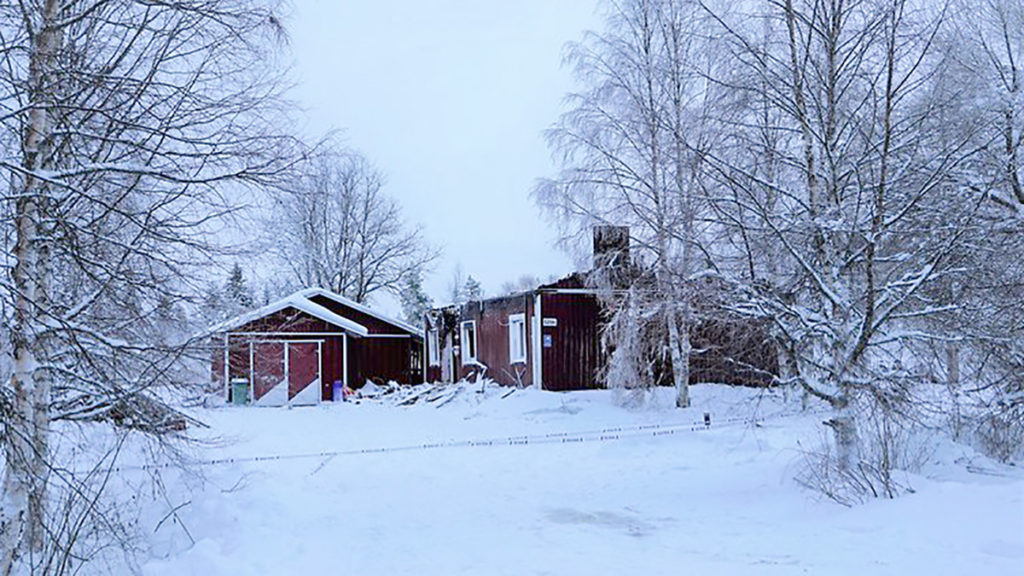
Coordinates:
<point>293,351</point>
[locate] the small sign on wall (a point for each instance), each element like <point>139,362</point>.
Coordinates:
<point>550,322</point>
<point>548,340</point>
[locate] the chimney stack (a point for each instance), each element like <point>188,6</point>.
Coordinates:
<point>611,251</point>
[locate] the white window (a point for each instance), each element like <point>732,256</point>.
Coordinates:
<point>433,351</point>
<point>516,338</point>
<point>469,342</point>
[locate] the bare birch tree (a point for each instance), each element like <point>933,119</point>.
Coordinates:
<point>127,126</point>
<point>983,62</point>
<point>853,168</point>
<point>855,194</point>
<point>631,149</point>
<point>334,226</point>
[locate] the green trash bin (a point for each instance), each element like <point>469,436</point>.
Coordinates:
<point>239,392</point>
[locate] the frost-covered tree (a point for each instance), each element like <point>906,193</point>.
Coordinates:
<point>849,171</point>
<point>456,292</point>
<point>524,283</point>
<point>983,55</point>
<point>129,129</point>
<point>415,301</point>
<point>632,149</point>
<point>472,290</point>
<point>856,201</point>
<point>237,290</point>
<point>334,226</point>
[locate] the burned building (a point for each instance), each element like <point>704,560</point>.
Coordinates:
<point>551,336</point>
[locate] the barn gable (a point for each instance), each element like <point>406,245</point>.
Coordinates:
<point>374,321</point>
<point>297,350</point>
<point>271,313</point>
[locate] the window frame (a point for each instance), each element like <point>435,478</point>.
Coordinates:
<point>466,358</point>
<point>514,321</point>
<point>434,347</point>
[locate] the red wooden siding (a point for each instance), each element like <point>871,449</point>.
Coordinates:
<point>268,367</point>
<point>492,320</point>
<point>432,373</point>
<point>574,357</point>
<point>729,350</point>
<point>238,358</point>
<point>333,365</point>
<point>303,366</point>
<point>383,360</point>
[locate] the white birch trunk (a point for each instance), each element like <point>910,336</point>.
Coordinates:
<point>847,438</point>
<point>23,502</point>
<point>20,431</point>
<point>679,345</point>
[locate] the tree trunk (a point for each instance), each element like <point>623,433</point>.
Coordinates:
<point>20,484</point>
<point>844,428</point>
<point>953,382</point>
<point>23,503</point>
<point>679,348</point>
<point>42,392</point>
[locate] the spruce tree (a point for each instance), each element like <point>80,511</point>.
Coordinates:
<point>236,290</point>
<point>415,301</point>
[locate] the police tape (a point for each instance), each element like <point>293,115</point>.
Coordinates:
<point>602,435</point>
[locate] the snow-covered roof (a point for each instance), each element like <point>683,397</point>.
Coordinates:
<point>309,292</point>
<point>300,301</point>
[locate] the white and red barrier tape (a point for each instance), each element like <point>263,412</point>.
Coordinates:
<point>603,435</point>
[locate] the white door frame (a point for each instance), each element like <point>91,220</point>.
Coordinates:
<point>287,379</point>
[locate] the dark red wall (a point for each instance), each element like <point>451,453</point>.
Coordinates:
<point>302,366</point>
<point>333,365</point>
<point>268,365</point>
<point>730,350</point>
<point>383,360</point>
<point>574,357</point>
<point>491,317</point>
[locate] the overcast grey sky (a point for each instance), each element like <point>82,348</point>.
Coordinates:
<point>449,98</point>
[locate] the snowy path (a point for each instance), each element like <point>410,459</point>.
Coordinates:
<point>720,501</point>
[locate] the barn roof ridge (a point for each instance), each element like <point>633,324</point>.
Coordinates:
<point>299,301</point>
<point>316,290</point>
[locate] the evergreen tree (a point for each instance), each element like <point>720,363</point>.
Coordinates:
<point>236,290</point>
<point>415,302</point>
<point>213,307</point>
<point>472,290</point>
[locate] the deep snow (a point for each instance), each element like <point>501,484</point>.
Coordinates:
<point>715,501</point>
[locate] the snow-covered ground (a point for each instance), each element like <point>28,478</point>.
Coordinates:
<point>711,501</point>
